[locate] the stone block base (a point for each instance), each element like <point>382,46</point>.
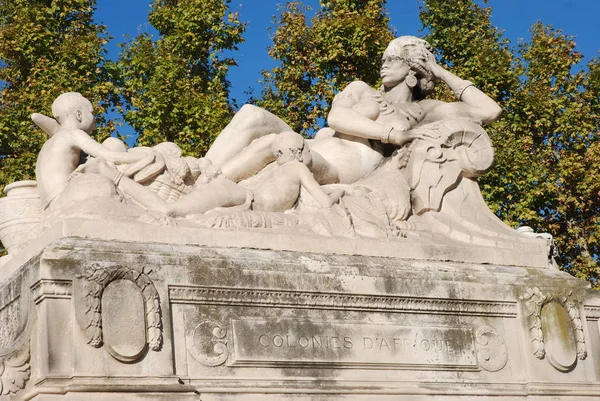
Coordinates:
<point>88,319</point>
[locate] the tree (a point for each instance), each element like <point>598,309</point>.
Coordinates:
<point>556,107</point>
<point>546,173</point>
<point>175,88</point>
<point>47,48</point>
<point>343,42</point>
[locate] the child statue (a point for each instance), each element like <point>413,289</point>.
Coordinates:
<point>69,136</point>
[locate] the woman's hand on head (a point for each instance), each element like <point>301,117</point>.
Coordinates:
<point>427,66</point>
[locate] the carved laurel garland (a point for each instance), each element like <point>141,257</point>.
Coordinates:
<point>533,301</point>
<point>98,278</point>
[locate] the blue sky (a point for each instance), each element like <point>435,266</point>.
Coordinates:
<point>580,18</point>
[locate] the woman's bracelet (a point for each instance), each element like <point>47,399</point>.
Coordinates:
<point>387,130</point>
<point>458,92</point>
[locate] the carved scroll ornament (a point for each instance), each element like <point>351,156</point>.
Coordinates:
<point>208,343</point>
<point>492,353</point>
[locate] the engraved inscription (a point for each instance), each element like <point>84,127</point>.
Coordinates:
<point>289,342</point>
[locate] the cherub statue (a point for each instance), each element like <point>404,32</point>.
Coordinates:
<point>69,136</point>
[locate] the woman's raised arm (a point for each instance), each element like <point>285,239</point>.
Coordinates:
<point>472,103</point>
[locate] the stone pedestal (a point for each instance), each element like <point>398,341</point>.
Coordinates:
<point>198,314</point>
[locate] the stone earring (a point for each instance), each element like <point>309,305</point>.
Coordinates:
<point>411,80</point>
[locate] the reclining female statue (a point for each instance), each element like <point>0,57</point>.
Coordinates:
<point>364,119</point>
<point>395,153</point>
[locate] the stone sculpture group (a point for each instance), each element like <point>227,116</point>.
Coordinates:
<point>392,163</point>
<point>362,263</point>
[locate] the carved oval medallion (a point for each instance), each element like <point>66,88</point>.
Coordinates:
<point>559,337</point>
<point>123,320</point>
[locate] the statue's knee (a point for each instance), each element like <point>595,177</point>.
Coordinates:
<point>250,111</point>
<point>261,120</point>
<point>248,120</point>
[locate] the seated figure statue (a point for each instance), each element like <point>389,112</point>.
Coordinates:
<point>60,156</point>
<point>364,119</point>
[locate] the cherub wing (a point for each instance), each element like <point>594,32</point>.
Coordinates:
<point>47,124</point>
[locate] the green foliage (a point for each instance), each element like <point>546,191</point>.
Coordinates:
<point>47,48</point>
<point>470,46</point>
<point>342,43</point>
<point>547,172</point>
<point>175,88</point>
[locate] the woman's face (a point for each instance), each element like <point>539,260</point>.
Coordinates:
<point>393,69</point>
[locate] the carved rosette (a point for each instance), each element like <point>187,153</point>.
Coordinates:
<point>97,279</point>
<point>492,353</point>
<point>533,302</point>
<point>208,343</point>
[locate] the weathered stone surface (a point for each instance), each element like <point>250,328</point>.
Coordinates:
<point>123,320</point>
<point>232,323</point>
<point>559,336</point>
<point>362,264</point>
<point>308,343</point>
<point>391,165</point>
<point>531,253</point>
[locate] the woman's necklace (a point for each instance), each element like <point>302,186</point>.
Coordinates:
<point>402,116</point>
